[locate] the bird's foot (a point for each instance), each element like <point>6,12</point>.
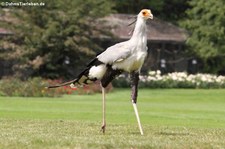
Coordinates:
<point>103,128</point>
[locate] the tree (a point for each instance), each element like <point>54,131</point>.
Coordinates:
<point>53,40</point>
<point>206,23</point>
<point>170,10</point>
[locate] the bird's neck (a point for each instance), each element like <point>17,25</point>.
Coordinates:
<point>140,30</point>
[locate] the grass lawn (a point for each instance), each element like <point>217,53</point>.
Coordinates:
<point>173,118</point>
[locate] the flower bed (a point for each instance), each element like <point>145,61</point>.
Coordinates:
<point>32,87</point>
<point>35,87</point>
<point>174,80</point>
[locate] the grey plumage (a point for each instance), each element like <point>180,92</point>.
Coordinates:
<point>126,56</point>
<point>115,53</point>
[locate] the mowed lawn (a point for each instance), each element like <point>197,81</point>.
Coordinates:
<point>171,118</point>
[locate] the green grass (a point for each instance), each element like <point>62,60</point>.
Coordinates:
<point>174,118</point>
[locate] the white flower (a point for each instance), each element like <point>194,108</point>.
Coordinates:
<point>150,78</point>
<point>196,79</point>
<point>174,77</point>
<point>152,73</point>
<point>159,77</point>
<point>158,72</point>
<point>203,78</point>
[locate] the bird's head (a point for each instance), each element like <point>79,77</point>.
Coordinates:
<point>146,14</point>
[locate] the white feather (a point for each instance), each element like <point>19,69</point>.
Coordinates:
<point>133,63</point>
<point>97,71</point>
<point>129,55</point>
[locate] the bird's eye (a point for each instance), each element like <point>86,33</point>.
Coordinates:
<point>144,13</point>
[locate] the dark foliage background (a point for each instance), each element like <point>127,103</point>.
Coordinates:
<point>57,40</point>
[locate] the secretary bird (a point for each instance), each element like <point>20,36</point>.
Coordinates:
<point>127,56</point>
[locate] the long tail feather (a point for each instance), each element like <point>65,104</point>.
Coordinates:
<point>82,78</point>
<point>63,84</point>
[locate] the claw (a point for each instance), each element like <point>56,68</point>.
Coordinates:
<point>103,128</point>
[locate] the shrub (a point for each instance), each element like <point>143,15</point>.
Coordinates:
<point>32,87</point>
<point>35,87</point>
<point>174,80</point>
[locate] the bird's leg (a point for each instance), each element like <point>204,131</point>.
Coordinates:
<point>138,119</point>
<point>103,110</point>
<point>134,93</point>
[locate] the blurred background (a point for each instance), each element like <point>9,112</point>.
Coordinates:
<point>58,38</point>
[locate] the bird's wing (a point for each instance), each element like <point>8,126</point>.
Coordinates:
<point>115,53</point>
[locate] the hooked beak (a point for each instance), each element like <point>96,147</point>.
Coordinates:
<point>150,16</point>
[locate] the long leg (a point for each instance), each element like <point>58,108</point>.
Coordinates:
<point>138,119</point>
<point>134,93</point>
<point>107,78</point>
<point>103,110</point>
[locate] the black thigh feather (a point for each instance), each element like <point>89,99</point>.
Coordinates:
<point>109,75</point>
